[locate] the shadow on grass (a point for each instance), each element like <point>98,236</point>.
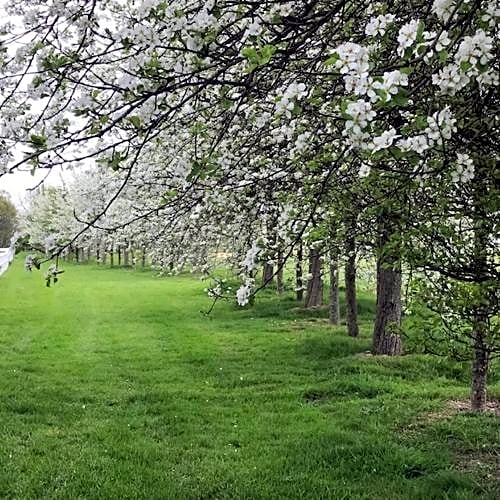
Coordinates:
<point>268,305</point>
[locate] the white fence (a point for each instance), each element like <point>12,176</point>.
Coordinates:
<point>6,257</point>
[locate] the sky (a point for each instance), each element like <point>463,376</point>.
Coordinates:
<point>18,183</point>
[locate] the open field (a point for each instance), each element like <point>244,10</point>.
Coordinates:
<point>114,385</point>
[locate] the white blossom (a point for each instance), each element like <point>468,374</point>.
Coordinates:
<point>385,140</point>
<point>364,170</point>
<point>443,9</point>
<point>250,261</point>
<point>352,59</point>
<point>378,25</point>
<point>244,293</point>
<point>407,35</point>
<point>464,169</point>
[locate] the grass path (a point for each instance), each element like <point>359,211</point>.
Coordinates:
<point>113,385</point>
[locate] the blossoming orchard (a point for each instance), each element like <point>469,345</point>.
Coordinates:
<point>303,146</point>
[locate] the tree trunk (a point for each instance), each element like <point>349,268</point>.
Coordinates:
<point>350,278</point>
<point>314,295</point>
<point>299,275</point>
<point>143,257</point>
<point>334,277</point>
<point>112,258</point>
<point>334,290</point>
<point>483,231</point>
<point>126,259</point>
<point>280,285</point>
<point>386,332</point>
<point>119,256</point>
<point>479,368</point>
<point>267,274</point>
<point>88,254</point>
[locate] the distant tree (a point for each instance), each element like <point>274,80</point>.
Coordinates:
<point>8,220</point>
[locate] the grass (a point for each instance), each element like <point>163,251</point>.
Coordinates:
<point>113,385</point>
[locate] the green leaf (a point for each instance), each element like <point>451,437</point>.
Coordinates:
<point>420,122</point>
<point>258,56</point>
<point>96,127</point>
<point>54,61</point>
<point>115,160</point>
<point>135,120</point>
<point>38,141</point>
<point>267,53</point>
<point>465,66</point>
<point>420,31</point>
<point>443,56</point>
<point>169,195</point>
<point>332,59</point>
<point>249,53</point>
<point>400,99</point>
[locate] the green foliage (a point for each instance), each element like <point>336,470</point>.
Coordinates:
<point>116,160</point>
<point>136,121</point>
<point>425,333</point>
<point>39,142</point>
<point>332,59</point>
<point>258,56</point>
<point>54,61</point>
<point>443,312</point>
<point>8,220</point>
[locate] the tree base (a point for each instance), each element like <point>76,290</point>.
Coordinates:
<point>390,345</point>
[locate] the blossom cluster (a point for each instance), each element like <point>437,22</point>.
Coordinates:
<point>440,126</point>
<point>244,293</point>
<point>471,61</point>
<point>286,101</point>
<point>464,169</point>
<point>378,25</point>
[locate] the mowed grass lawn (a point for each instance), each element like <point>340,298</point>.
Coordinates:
<point>113,385</point>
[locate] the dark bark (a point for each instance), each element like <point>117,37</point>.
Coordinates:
<point>143,257</point>
<point>334,290</point>
<point>119,256</point>
<point>299,275</point>
<point>350,278</point>
<point>351,300</point>
<point>280,285</point>
<point>314,294</point>
<point>387,329</point>
<point>112,258</point>
<point>386,333</point>
<point>483,230</point>
<point>267,274</point>
<point>479,367</point>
